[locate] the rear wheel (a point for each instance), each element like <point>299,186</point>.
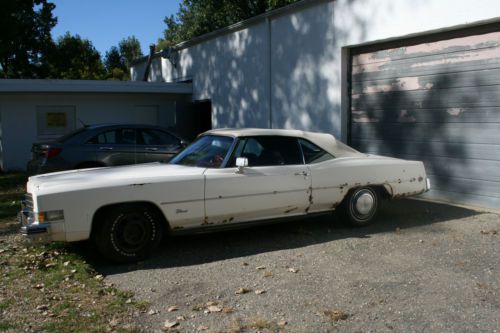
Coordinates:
<point>128,233</point>
<point>360,206</point>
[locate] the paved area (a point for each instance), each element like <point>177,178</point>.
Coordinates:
<point>422,267</point>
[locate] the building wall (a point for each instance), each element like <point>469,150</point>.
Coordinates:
<point>19,120</point>
<point>289,71</point>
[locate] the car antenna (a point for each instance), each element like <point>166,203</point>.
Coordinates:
<point>83,124</point>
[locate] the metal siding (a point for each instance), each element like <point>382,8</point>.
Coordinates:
<point>438,102</point>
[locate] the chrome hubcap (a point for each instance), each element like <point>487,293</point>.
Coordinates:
<point>364,203</point>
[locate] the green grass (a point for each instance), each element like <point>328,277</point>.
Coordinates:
<point>12,189</point>
<point>49,287</point>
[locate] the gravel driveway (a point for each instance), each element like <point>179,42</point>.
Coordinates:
<point>422,267</point>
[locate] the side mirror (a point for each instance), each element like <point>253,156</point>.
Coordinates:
<point>241,162</point>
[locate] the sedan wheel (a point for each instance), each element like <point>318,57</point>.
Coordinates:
<point>360,206</point>
<point>129,233</point>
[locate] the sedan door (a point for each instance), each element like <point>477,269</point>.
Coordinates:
<point>275,184</point>
<point>117,147</point>
<point>156,145</point>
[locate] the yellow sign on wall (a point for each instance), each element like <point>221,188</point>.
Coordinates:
<point>56,119</point>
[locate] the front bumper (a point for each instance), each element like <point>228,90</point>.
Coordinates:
<point>33,231</point>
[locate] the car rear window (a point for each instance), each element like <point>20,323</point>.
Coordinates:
<point>313,153</point>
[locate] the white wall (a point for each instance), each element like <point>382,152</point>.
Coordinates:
<point>19,127</point>
<point>305,62</point>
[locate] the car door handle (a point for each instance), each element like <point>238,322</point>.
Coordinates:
<point>151,149</point>
<point>301,173</point>
<point>105,148</point>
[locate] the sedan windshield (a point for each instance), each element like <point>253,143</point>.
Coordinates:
<point>208,151</point>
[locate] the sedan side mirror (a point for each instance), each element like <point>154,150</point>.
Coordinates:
<point>241,162</point>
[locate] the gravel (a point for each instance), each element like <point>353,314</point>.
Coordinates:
<point>422,266</point>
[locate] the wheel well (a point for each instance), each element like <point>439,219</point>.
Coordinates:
<point>101,212</point>
<point>380,189</point>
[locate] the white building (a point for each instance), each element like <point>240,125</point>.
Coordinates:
<point>418,79</point>
<point>41,110</point>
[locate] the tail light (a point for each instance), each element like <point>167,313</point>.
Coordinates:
<point>50,152</point>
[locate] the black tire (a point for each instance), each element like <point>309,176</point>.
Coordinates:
<point>360,206</point>
<point>128,233</point>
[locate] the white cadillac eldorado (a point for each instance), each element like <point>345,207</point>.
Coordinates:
<point>227,178</point>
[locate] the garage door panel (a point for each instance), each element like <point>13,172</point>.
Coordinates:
<point>476,78</point>
<point>437,102</point>
<point>421,148</point>
<point>457,44</point>
<point>481,133</point>
<point>487,58</point>
<point>488,96</point>
<point>444,115</point>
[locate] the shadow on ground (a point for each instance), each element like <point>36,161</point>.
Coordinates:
<point>205,248</point>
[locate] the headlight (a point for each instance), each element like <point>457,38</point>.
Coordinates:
<point>53,215</point>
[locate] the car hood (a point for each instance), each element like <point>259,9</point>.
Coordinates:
<point>110,176</point>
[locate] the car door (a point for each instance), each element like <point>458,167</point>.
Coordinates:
<point>275,184</point>
<point>117,147</point>
<point>157,145</point>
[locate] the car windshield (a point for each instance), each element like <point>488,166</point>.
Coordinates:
<point>208,151</point>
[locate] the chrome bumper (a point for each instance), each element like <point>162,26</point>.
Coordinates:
<point>32,230</point>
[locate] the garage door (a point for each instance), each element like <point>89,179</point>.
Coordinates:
<point>436,101</point>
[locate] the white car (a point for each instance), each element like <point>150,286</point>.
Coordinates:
<point>227,178</point>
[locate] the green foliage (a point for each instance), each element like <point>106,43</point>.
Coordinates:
<point>130,49</point>
<point>119,59</point>
<point>198,17</point>
<point>75,58</point>
<point>25,37</point>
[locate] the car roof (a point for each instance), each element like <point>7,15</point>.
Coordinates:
<point>324,140</point>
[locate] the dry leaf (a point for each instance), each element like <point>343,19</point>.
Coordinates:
<point>214,308</point>
<point>99,277</point>
<point>152,312</point>
<point>260,292</point>
<point>245,264</point>
<point>488,232</point>
<point>170,324</point>
<point>128,301</point>
<point>181,318</point>
<point>172,308</point>
<point>202,328</point>
<point>336,315</point>
<point>212,303</point>
<point>227,310</point>
<point>66,263</point>
<point>293,270</point>
<point>242,291</point>
<point>260,267</point>
<point>42,307</point>
<point>114,322</point>
<point>282,322</point>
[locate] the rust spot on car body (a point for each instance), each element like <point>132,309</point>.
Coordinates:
<point>291,210</point>
<point>420,179</point>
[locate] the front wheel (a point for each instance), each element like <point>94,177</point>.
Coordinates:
<point>128,233</point>
<point>360,206</point>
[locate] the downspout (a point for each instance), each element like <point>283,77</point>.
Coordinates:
<point>270,72</point>
<point>152,50</point>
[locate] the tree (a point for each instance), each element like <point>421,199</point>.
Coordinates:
<point>198,17</point>
<point>75,58</point>
<point>130,49</point>
<point>25,38</point>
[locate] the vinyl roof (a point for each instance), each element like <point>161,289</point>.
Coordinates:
<point>322,140</point>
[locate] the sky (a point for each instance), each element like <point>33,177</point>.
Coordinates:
<point>106,22</point>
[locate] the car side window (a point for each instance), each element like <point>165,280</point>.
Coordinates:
<point>108,137</point>
<point>125,136</point>
<point>313,153</point>
<point>268,151</point>
<point>156,137</point>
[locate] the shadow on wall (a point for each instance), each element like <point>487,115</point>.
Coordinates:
<point>306,64</point>
<point>231,71</point>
